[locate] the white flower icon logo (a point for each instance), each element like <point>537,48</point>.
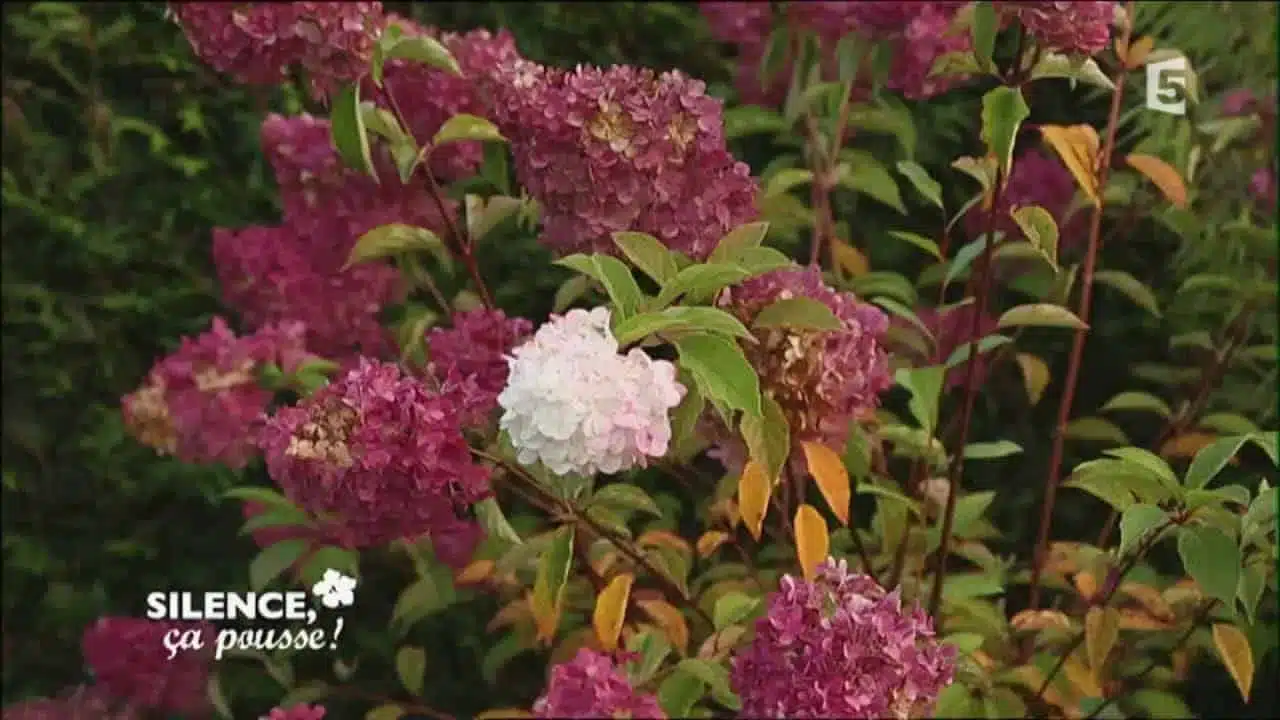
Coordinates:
<point>335,590</point>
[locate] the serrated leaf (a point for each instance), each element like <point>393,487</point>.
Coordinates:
<point>347,131</point>
<point>871,178</point>
<point>1040,315</point>
<point>1210,461</point>
<point>924,184</point>
<point>1134,400</point>
<point>731,247</point>
<point>829,473</point>
<point>411,666</point>
<point>1078,146</point>
<point>1212,559</point>
<point>1035,376</point>
<point>732,608</point>
<point>722,370</point>
<point>760,260</point>
<point>267,565</point>
<point>1135,522</point>
<point>716,677</point>
<point>754,489</point>
<point>1237,655</point>
<point>678,694</point>
<point>1039,228</point>
<point>1163,175</point>
<point>624,496</point>
<point>648,254</point>
<point>919,241</point>
<point>1131,288</point>
<point>813,541</point>
<point>991,450</point>
<point>925,386</point>
<point>682,319</point>
<point>799,313</point>
<point>611,610</point>
<point>1057,65</point>
<point>768,437</point>
<point>701,279</point>
<point>613,275</point>
<point>1003,110</point>
<point>387,241</point>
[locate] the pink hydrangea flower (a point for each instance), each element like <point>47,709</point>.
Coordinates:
<point>203,403</point>
<point>297,712</point>
<point>840,646</point>
<point>129,660</point>
<point>1240,101</point>
<point>258,42</point>
<point>952,329</point>
<point>1037,179</point>
<point>382,457</point>
<point>592,686</point>
<point>1263,187</point>
<point>469,360</point>
<point>81,703</point>
<point>822,380</point>
<point>267,275</point>
<point>1075,26</point>
<point>621,149</point>
<point>926,37</point>
<point>428,97</point>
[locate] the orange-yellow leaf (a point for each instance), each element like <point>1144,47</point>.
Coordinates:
<point>1040,620</point>
<point>1035,375</point>
<point>813,544</point>
<point>611,609</point>
<point>512,613</point>
<point>476,572</point>
<point>850,258</point>
<point>1080,676</point>
<point>1186,444</point>
<point>1086,584</point>
<point>710,541</point>
<point>546,618</point>
<point>1165,177</point>
<point>504,714</point>
<point>1150,599</point>
<point>833,479</point>
<point>1078,146</point>
<point>1136,56</point>
<point>658,538</point>
<point>753,496</point>
<point>669,620</point>
<point>1142,620</point>
<point>1233,647</point>
<point>1101,630</point>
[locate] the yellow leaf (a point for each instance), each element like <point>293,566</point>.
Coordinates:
<point>1078,146</point>
<point>658,538</point>
<point>611,609</point>
<point>1086,584</point>
<point>1142,620</point>
<point>753,497</point>
<point>710,542</point>
<point>1035,375</point>
<point>850,258</point>
<point>1101,630</point>
<point>1080,677</point>
<point>832,477</point>
<point>670,621</point>
<point>546,618</point>
<point>1186,444</point>
<point>476,572</point>
<point>504,714</point>
<point>1136,55</point>
<point>509,615</point>
<point>812,542</point>
<point>1040,620</point>
<point>1233,648</point>
<point>1163,175</point>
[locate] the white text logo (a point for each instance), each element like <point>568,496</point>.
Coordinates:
<point>1167,86</point>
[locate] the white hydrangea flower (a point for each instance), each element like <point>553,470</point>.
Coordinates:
<point>574,403</point>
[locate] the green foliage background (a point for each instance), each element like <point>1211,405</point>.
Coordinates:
<point>121,152</point>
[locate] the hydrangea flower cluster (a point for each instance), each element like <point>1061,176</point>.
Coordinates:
<point>80,703</point>
<point>604,151</point>
<point>840,646</point>
<point>952,329</point>
<point>592,686</point>
<point>381,456</point>
<point>469,360</point>
<point>577,405</point>
<point>297,712</point>
<point>822,380</point>
<point>1035,180</point>
<point>428,97</point>
<point>1074,26</point>
<point>747,25</point>
<point>203,403</point>
<point>257,43</point>
<point>129,662</point>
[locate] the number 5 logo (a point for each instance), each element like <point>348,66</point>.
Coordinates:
<point>1167,86</point>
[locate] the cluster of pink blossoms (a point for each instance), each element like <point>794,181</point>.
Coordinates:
<point>620,149</point>
<point>840,646</point>
<point>383,458</point>
<point>258,43</point>
<point>297,712</point>
<point>822,380</point>
<point>1037,179</point>
<point>469,360</point>
<point>592,686</point>
<point>129,662</point>
<point>1070,26</point>
<point>203,402</point>
<point>80,703</point>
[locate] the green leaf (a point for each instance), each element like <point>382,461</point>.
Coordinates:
<point>1133,400</point>
<point>466,127</point>
<point>701,280</point>
<point>1085,70</point>
<point>684,419</point>
<point>277,517</point>
<point>647,253</point>
<point>1130,287</point>
<point>991,450</point>
<point>1003,110</point>
<point>330,558</point>
<point>730,248</point>
<point>346,128</point>
<point>925,386</point>
<point>553,570</point>
<point>786,179</point>
<point>722,370</point>
<point>387,241</point>
<point>1095,429</point>
<point>388,711</point>
<point>1207,463</point>
<point>798,312</point>
<point>622,496</point>
<point>273,560</point>
<point>1136,521</point>
<point>919,241</point>
<point>1211,559</point>
<point>495,522</point>
<point>267,497</point>
<point>682,319</point>
<point>715,676</point>
<point>768,436</point>
<point>1253,582</point>
<point>760,260</point>
<point>429,594</point>
<point>732,608</point>
<point>483,215</point>
<point>424,49</point>
<point>1148,462</point>
<point>678,693</point>
<point>1120,483</point>
<point>985,345</point>
<point>871,178</point>
<point>1039,228</point>
<point>411,666</point>
<point>1041,315</point>
<point>963,258</point>
<point>983,33</point>
<point>920,179</point>
<point>746,120</point>
<point>981,169</point>
<point>1227,424</point>
<point>611,273</point>
<point>876,284</point>
<point>961,63</point>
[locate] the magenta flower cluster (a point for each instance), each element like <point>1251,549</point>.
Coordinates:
<point>469,360</point>
<point>382,456</point>
<point>840,646</point>
<point>297,712</point>
<point>130,663</point>
<point>203,402</point>
<point>592,686</point>
<point>620,149</point>
<point>258,43</point>
<point>79,703</point>
<point>1070,26</point>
